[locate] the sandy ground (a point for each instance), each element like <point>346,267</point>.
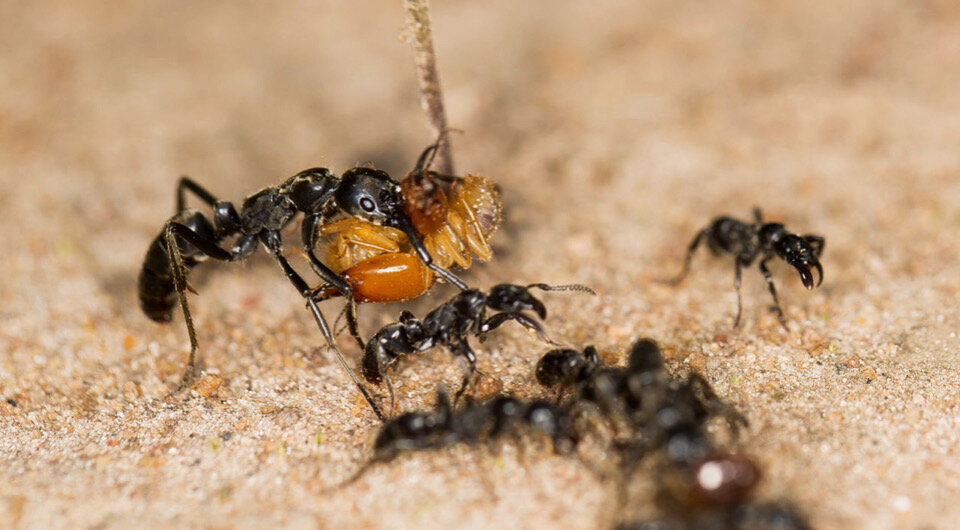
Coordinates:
<point>616,131</point>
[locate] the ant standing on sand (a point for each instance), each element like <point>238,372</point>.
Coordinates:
<point>190,236</point>
<point>746,242</point>
<point>453,322</point>
<point>445,426</point>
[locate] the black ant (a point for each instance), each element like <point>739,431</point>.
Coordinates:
<point>644,396</point>
<point>702,486</point>
<point>189,237</point>
<point>445,426</point>
<point>748,241</point>
<point>453,322</point>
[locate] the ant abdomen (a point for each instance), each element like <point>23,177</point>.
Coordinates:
<point>155,285</point>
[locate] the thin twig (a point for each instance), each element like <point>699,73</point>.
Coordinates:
<point>431,96</point>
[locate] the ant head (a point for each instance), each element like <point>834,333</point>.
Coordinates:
<point>645,356</point>
<point>513,299</point>
<point>800,254</point>
<point>371,195</point>
<point>770,233</point>
<point>310,189</point>
<point>558,366</point>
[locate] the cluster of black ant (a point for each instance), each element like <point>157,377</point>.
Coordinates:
<point>655,413</point>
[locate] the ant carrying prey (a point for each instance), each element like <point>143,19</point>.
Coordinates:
<point>453,216</point>
<point>190,236</point>
<point>746,242</point>
<point>453,322</point>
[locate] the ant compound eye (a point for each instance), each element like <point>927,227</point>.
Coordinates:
<point>367,204</point>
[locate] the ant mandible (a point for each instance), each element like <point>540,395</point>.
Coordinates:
<point>190,236</point>
<point>746,242</point>
<point>452,323</point>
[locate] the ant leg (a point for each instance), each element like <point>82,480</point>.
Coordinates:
<point>273,243</point>
<point>715,406</point>
<point>225,217</point>
<point>309,237</point>
<point>757,215</point>
<point>188,184</point>
<point>461,348</point>
<point>332,279</point>
<point>357,475</point>
<point>773,290</point>
<point>393,396</point>
<point>736,283</point>
<point>448,276</point>
<point>701,235</point>
<point>467,379</point>
<point>497,320</point>
<point>445,178</point>
<point>207,247</point>
<point>318,316</point>
<point>353,322</point>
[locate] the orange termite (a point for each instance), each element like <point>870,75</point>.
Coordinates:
<point>455,217</point>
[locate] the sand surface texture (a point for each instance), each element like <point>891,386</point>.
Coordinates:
<point>615,129</point>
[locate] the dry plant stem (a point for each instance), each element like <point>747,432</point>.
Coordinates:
<point>431,96</point>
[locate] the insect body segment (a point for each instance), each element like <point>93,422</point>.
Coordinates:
<point>155,284</point>
<point>747,242</point>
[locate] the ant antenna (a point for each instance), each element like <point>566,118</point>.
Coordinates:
<point>430,153</point>
<point>339,325</point>
<point>568,287</point>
